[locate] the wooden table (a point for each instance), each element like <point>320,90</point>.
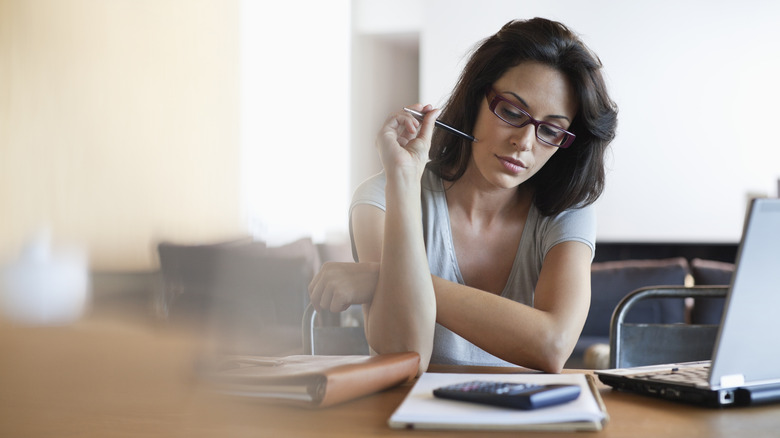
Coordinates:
<point>107,378</point>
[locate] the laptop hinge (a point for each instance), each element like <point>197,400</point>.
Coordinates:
<point>732,380</point>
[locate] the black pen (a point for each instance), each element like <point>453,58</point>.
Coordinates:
<point>419,116</point>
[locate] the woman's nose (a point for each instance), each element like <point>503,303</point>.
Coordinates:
<point>524,138</point>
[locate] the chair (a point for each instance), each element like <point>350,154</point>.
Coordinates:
<point>709,273</point>
<point>637,344</point>
<point>188,274</point>
<point>610,282</point>
<point>243,296</point>
<point>322,339</point>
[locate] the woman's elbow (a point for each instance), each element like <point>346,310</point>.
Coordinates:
<point>552,365</point>
<point>425,355</point>
<point>384,344</point>
<point>554,355</point>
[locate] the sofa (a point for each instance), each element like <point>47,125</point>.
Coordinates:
<point>244,296</point>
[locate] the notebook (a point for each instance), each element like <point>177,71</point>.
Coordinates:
<point>745,364</point>
<point>421,410</point>
<point>309,381</point>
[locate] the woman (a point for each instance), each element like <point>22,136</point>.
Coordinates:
<point>493,266</point>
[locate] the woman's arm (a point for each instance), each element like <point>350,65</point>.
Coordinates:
<point>402,313</point>
<point>539,337</point>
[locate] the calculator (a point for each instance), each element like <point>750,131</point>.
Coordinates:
<point>509,394</point>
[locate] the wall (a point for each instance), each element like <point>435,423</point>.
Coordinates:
<point>696,83</point>
<point>119,120</point>
<point>385,74</point>
<point>295,93</point>
<point>119,124</point>
<point>385,79</point>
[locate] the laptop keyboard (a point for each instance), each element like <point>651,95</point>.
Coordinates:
<point>698,375</point>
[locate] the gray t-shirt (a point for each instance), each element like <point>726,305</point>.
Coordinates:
<point>539,235</point>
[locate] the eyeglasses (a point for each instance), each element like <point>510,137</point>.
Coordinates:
<point>507,111</point>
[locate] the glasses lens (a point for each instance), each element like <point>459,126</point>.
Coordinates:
<point>551,134</point>
<point>510,114</point>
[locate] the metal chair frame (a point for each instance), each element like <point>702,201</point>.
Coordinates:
<point>637,344</point>
<point>352,338</point>
<point>309,317</point>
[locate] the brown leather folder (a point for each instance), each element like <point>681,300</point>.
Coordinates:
<point>311,381</point>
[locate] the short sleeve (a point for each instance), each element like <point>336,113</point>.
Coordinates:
<point>576,224</point>
<point>369,192</point>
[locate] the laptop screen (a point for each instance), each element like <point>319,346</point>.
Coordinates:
<point>747,347</point>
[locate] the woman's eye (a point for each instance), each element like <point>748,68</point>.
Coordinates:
<point>549,131</point>
<point>510,113</point>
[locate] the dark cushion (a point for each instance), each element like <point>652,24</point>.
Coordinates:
<point>188,272</point>
<point>248,295</point>
<point>302,248</point>
<point>611,281</point>
<point>335,252</point>
<point>258,303</point>
<point>709,273</point>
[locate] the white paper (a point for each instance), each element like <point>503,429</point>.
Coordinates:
<point>422,410</point>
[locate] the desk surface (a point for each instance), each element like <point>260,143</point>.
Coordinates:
<point>104,378</point>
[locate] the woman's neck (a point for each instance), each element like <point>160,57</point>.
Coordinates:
<point>481,203</point>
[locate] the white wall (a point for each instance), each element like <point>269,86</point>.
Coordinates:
<point>697,87</point>
<point>295,76</point>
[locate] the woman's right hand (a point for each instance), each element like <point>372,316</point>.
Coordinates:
<point>404,141</point>
<point>340,285</point>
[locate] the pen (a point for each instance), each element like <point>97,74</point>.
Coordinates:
<point>419,116</point>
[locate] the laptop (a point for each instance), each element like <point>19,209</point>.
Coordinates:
<point>745,364</point>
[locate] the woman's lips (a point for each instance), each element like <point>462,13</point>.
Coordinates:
<point>512,165</point>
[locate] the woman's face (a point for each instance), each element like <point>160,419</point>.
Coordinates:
<point>506,156</point>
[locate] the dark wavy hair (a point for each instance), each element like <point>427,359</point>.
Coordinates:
<point>573,177</point>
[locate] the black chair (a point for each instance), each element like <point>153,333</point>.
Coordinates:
<point>322,337</point>
<point>637,343</point>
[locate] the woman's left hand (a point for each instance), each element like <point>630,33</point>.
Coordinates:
<point>340,285</point>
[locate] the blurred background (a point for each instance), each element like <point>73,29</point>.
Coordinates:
<point>124,123</point>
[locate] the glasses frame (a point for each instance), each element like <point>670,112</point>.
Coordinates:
<point>493,97</point>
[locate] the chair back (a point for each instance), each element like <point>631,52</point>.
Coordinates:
<point>242,296</point>
<point>637,344</point>
<point>331,339</point>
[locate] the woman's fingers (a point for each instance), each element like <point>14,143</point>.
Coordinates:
<point>404,141</point>
<point>339,285</point>
<point>429,122</point>
<point>325,290</point>
<point>315,291</point>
